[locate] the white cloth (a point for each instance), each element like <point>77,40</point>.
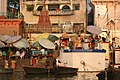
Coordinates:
<point>17,53</point>
<point>43,51</point>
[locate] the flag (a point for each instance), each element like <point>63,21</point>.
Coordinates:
<point>107,5</point>
<point>106,10</point>
<point>115,5</point>
<point>106,14</point>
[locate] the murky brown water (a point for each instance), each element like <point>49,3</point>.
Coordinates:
<point>23,76</point>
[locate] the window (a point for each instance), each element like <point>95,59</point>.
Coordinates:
<point>40,8</point>
<point>76,6</point>
<point>30,7</point>
<point>66,8</point>
<point>53,7</point>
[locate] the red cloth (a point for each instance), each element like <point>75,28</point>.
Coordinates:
<point>33,62</point>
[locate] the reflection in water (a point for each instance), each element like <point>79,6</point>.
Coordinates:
<point>6,77</point>
<point>23,76</point>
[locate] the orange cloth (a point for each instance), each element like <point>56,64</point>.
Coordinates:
<point>13,64</point>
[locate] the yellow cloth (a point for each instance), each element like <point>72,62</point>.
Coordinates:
<point>44,35</point>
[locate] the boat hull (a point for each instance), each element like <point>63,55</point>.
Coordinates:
<point>66,70</point>
<point>57,70</point>
<point>110,74</point>
<point>36,70</point>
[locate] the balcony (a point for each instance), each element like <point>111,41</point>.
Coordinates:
<point>51,1</point>
<point>57,1</point>
<point>30,0</point>
<point>41,30</point>
<point>56,13</point>
<point>77,27</point>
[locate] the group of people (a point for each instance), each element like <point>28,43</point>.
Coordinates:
<point>43,61</point>
<point>9,56</point>
<point>8,64</point>
<point>79,41</point>
<point>10,53</point>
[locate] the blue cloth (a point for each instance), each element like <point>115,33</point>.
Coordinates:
<point>94,50</point>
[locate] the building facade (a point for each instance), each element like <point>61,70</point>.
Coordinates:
<point>11,27</point>
<point>68,15</point>
<point>3,9</point>
<point>107,16</point>
<point>106,10</point>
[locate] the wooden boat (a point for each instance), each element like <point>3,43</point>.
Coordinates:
<point>44,70</point>
<point>65,70</point>
<point>36,70</point>
<point>6,71</point>
<point>109,74</point>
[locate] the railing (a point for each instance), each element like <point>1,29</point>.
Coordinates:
<point>51,1</point>
<point>53,29</point>
<point>53,13</point>
<point>41,30</point>
<point>57,1</point>
<point>48,1</point>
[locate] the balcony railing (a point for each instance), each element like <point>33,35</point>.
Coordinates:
<point>48,1</point>
<point>55,13</point>
<point>57,1</point>
<point>51,1</point>
<point>41,30</point>
<point>54,29</point>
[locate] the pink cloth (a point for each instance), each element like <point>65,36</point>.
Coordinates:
<point>6,61</point>
<point>22,55</point>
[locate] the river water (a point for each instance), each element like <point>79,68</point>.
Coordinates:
<point>23,76</point>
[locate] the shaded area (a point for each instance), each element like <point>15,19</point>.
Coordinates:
<point>22,76</point>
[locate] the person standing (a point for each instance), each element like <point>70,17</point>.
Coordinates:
<point>92,43</point>
<point>54,63</point>
<point>13,64</point>
<point>100,42</point>
<point>34,62</point>
<point>17,53</point>
<point>31,60</point>
<point>22,54</point>
<point>3,54</point>
<point>6,64</point>
<point>0,54</point>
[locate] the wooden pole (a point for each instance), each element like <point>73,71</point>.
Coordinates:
<point>114,18</point>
